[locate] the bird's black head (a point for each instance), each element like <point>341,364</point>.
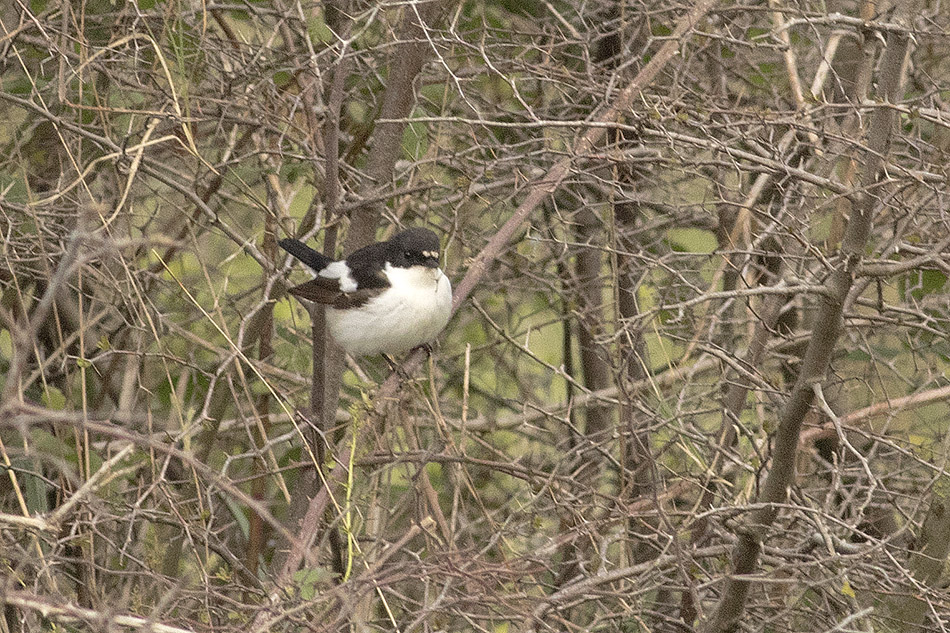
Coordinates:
<point>414,247</point>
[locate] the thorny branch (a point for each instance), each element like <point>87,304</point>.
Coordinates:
<point>704,388</point>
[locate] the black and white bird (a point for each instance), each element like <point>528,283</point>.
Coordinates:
<point>385,298</point>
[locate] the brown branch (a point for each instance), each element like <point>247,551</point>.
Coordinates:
<point>23,337</point>
<point>538,191</point>
<point>589,287</point>
<point>326,357</point>
<point>408,60</point>
<point>926,562</point>
<point>551,180</point>
<point>400,95</point>
<point>889,406</point>
<point>16,416</point>
<point>828,326</point>
<point>59,611</point>
<point>153,167</point>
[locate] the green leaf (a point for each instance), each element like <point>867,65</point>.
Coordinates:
<point>318,30</point>
<point>415,142</point>
<point>919,283</point>
<point>282,78</point>
<point>847,590</point>
<point>931,281</point>
<point>48,444</point>
<point>691,240</point>
<point>53,398</point>
<point>307,580</point>
<point>6,344</point>
<point>19,86</point>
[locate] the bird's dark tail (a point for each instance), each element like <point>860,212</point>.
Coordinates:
<point>304,253</point>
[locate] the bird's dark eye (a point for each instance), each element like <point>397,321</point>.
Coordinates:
<point>408,254</point>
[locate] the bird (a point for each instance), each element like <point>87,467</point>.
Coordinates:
<point>385,298</point>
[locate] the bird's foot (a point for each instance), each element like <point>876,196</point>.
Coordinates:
<point>395,367</point>
<point>426,347</point>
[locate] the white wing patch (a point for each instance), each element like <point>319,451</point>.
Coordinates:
<point>341,272</point>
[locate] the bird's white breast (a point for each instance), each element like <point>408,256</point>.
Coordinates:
<point>411,312</point>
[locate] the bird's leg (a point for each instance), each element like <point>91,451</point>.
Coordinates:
<point>426,347</point>
<point>395,367</point>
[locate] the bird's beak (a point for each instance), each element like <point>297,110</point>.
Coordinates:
<point>431,262</point>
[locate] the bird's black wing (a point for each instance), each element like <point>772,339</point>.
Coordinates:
<point>363,268</point>
<point>327,291</point>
